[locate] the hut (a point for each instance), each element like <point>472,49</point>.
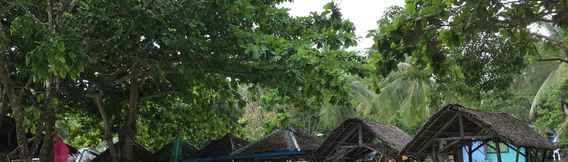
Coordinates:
<point>285,144</point>
<point>457,133</point>
<point>220,150</point>
<point>360,140</point>
<point>140,152</point>
<point>175,148</point>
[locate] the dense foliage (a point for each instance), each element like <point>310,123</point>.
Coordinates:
<point>484,54</point>
<point>121,69</point>
<point>137,71</point>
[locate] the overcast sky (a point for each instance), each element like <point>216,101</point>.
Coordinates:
<point>363,13</point>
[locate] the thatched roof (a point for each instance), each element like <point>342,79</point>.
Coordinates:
<point>164,154</point>
<point>140,153</point>
<point>222,147</point>
<point>347,133</point>
<point>285,139</point>
<point>497,125</point>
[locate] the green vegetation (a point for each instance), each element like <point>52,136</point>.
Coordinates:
<point>98,71</point>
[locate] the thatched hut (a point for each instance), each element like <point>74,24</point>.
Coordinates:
<point>360,140</point>
<point>140,153</point>
<point>222,147</point>
<point>286,144</point>
<point>458,133</point>
<point>165,154</point>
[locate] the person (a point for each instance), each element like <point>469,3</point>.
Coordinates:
<point>60,149</point>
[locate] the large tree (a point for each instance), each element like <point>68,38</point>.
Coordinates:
<point>473,50</point>
<point>41,49</point>
<point>153,53</point>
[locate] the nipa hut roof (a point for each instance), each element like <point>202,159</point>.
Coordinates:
<point>391,136</point>
<point>164,154</point>
<point>140,153</point>
<point>222,147</point>
<point>284,139</point>
<point>502,126</point>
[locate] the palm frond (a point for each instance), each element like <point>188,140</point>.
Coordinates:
<point>404,93</point>
<point>553,81</point>
<point>333,115</point>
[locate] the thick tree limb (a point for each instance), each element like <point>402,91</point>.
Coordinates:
<point>555,59</point>
<point>107,127</point>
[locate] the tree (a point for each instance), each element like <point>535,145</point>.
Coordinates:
<point>42,48</point>
<point>156,54</point>
<point>473,49</point>
<point>403,99</point>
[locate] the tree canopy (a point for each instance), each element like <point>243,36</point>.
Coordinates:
<point>149,71</point>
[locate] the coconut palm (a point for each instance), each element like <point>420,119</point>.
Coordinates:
<point>557,45</point>
<point>332,115</point>
<point>404,98</point>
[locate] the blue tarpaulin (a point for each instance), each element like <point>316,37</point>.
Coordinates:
<point>252,156</point>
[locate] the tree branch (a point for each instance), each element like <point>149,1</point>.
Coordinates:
<point>26,9</point>
<point>554,59</point>
<point>557,43</point>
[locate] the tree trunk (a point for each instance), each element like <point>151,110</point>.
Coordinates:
<point>129,130</point>
<point>52,89</point>
<point>107,128</point>
<point>18,111</point>
<point>48,124</point>
<point>46,151</point>
<point>2,104</point>
<point>15,98</point>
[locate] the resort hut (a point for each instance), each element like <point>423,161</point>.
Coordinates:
<point>220,150</point>
<point>359,140</point>
<point>285,144</point>
<point>140,153</point>
<point>460,134</point>
<point>175,151</point>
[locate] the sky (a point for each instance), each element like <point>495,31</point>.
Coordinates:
<point>363,13</point>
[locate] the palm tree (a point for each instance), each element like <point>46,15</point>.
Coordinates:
<point>405,95</point>
<point>555,44</point>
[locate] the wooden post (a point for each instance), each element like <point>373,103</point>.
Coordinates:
<point>544,155</point>
<point>470,151</point>
<point>460,120</point>
<point>461,155</point>
<point>498,152</point>
<point>529,156</point>
<point>434,154</point>
<point>517,154</point>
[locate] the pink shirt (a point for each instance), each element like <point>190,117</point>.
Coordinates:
<point>60,150</point>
